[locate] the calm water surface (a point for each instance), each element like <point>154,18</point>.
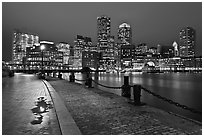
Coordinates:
<point>183,88</point>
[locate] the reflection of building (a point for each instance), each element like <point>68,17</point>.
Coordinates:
<point>51,56</point>
<point>187,42</point>
<point>65,49</point>
<point>20,42</point>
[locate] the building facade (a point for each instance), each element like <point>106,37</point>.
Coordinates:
<point>103,36</point>
<point>50,56</point>
<point>187,42</point>
<point>20,42</point>
<point>65,48</point>
<point>90,59</point>
<point>124,34</point>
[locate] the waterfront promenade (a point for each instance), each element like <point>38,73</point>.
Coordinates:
<point>77,109</point>
<point>18,96</point>
<point>102,113</point>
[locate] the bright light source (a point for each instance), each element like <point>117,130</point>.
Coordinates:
<point>42,47</point>
<point>42,109</point>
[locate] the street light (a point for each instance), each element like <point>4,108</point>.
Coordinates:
<point>42,47</point>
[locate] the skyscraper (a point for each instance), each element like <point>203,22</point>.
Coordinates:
<point>187,42</point>
<point>125,44</point>
<point>176,51</point>
<point>103,35</point>
<point>20,42</point>
<point>65,49</point>
<point>124,34</point>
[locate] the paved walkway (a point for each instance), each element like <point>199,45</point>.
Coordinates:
<point>18,96</point>
<point>101,113</point>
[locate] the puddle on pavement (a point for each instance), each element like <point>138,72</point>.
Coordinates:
<point>42,105</point>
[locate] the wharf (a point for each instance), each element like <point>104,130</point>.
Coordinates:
<point>97,112</point>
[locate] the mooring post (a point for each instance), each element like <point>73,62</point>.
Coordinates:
<point>137,94</point>
<point>126,87</point>
<point>89,82</point>
<point>72,77</point>
<point>60,75</point>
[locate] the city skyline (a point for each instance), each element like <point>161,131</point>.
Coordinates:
<point>87,26</point>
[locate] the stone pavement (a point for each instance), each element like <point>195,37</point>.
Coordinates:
<point>98,112</point>
<point>18,96</point>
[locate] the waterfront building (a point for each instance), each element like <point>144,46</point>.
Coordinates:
<point>141,49</point>
<point>166,51</point>
<point>103,32</point>
<point>187,42</point>
<point>90,59</point>
<point>103,36</point>
<point>21,41</point>
<point>65,48</point>
<point>124,34</point>
<point>52,58</point>
<point>125,44</point>
<point>117,61</point>
<point>127,56</point>
<point>84,53</point>
<point>88,44</point>
<point>152,50</point>
<point>79,45</point>
<point>176,49</point>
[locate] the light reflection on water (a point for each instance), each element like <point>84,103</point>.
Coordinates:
<point>183,88</point>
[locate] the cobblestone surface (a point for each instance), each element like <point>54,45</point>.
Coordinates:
<point>18,96</point>
<point>102,113</point>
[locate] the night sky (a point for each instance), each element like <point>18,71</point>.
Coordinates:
<point>151,23</point>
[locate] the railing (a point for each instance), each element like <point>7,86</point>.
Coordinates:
<point>126,92</point>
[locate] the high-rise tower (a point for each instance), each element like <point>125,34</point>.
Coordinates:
<point>103,32</point>
<point>103,35</point>
<point>20,42</point>
<point>187,42</point>
<point>124,34</point>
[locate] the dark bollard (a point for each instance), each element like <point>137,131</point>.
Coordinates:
<point>89,82</point>
<point>137,94</point>
<point>60,76</point>
<point>72,77</point>
<point>126,88</point>
<point>54,74</point>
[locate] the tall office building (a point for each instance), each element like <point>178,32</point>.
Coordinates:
<point>82,44</point>
<point>141,49</point>
<point>103,35</point>
<point>176,49</point>
<point>51,56</point>
<point>78,48</point>
<point>124,34</point>
<point>125,44</point>
<point>187,42</point>
<point>103,32</point>
<point>20,42</point>
<point>66,50</point>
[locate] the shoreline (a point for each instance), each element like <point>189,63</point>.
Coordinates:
<point>163,116</point>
